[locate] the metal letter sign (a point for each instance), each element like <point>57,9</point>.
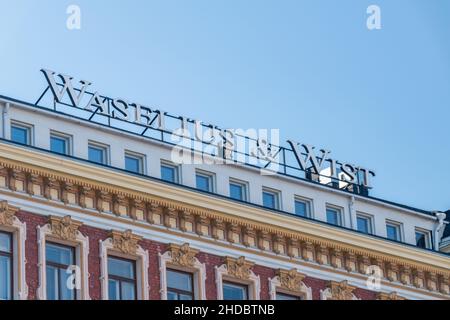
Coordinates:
<point>298,161</point>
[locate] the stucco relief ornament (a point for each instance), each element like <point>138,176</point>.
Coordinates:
<point>291,279</point>
<point>341,291</point>
<point>183,255</point>
<point>125,242</point>
<point>64,228</point>
<point>239,268</point>
<point>6,214</point>
<point>390,296</point>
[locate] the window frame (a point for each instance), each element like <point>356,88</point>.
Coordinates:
<point>370,219</point>
<point>122,279</point>
<point>176,168</point>
<point>180,291</point>
<point>210,176</point>
<point>427,234</point>
<point>104,147</point>
<point>340,215</point>
<point>243,184</point>
<point>9,255</point>
<point>277,197</point>
<point>60,266</point>
<point>309,206</point>
<point>63,136</point>
<point>398,226</point>
<point>296,297</point>
<point>140,157</point>
<point>22,125</point>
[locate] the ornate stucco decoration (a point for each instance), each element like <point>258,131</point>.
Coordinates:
<point>183,255</point>
<point>7,213</point>
<point>341,290</point>
<point>126,241</point>
<point>389,296</point>
<point>64,228</point>
<point>290,279</point>
<point>239,268</point>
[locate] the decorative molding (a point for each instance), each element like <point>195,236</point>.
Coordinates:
<point>64,228</point>
<point>7,213</point>
<point>338,291</point>
<point>182,255</point>
<point>125,242</point>
<point>239,268</point>
<point>289,282</point>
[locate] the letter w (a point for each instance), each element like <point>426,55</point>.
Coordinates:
<point>67,82</point>
<point>310,156</point>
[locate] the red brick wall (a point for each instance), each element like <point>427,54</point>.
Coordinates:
<point>95,234</point>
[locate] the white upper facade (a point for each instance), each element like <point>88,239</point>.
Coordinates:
<point>324,204</point>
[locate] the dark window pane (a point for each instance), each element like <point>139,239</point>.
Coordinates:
<point>234,292</point>
<point>128,291</point>
<point>59,254</point>
<point>269,200</point>
<point>333,217</point>
<point>179,280</point>
<point>5,242</point>
<point>168,173</point>
<point>58,144</point>
<point>97,154</point>
<point>20,135</point>
<point>236,191</point>
<point>392,232</point>
<point>121,268</point>
<point>301,208</point>
<point>133,164</point>
<point>5,278</point>
<point>203,182</point>
<point>421,240</point>
<point>363,224</point>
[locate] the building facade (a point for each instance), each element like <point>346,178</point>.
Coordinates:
<point>91,211</point>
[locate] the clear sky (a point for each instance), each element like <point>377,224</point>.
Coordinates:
<point>379,98</point>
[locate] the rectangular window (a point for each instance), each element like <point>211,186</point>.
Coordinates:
<point>179,285</point>
<point>121,279</point>
<point>6,263</point>
<point>393,231</point>
<point>233,291</point>
<point>169,172</point>
<point>302,207</point>
<point>134,163</point>
<point>204,181</point>
<point>283,296</point>
<point>271,199</point>
<point>58,258</point>
<point>60,143</point>
<point>364,224</point>
<point>238,190</point>
<point>98,153</point>
<point>21,133</point>
<point>423,239</point>
<point>334,216</point>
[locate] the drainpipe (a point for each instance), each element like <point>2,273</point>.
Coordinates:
<point>351,209</point>
<point>5,110</point>
<point>439,231</point>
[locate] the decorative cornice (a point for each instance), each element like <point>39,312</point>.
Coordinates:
<point>239,268</point>
<point>125,242</point>
<point>7,213</point>
<point>183,255</point>
<point>290,279</point>
<point>341,290</point>
<point>64,228</point>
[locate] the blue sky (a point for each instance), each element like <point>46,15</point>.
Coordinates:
<point>377,98</point>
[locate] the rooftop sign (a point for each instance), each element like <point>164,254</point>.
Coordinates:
<point>298,160</point>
